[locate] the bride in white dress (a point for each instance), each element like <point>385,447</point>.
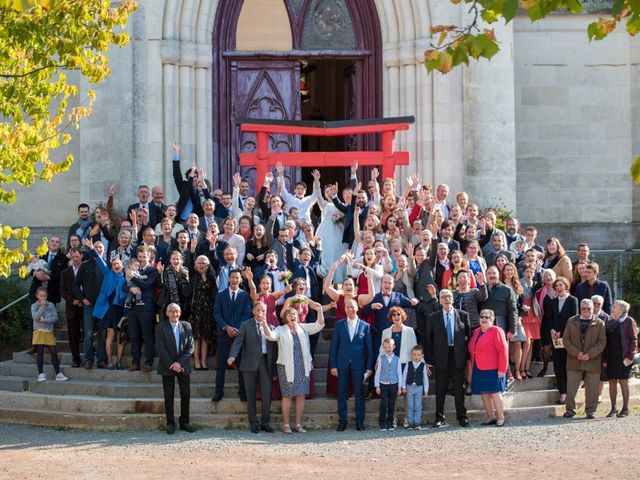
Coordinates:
<point>331,234</point>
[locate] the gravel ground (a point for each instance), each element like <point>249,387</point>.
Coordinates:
<point>549,448</point>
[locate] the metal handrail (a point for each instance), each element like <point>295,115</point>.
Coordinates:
<point>17,300</point>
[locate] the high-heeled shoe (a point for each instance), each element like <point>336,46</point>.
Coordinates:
<point>613,412</point>
<point>286,429</point>
<point>517,375</point>
<point>542,373</point>
<point>527,373</point>
<point>300,429</point>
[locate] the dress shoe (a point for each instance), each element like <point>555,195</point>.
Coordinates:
<point>490,422</point>
<point>255,428</point>
<point>102,365</point>
<point>568,415</point>
<point>438,424</point>
<point>217,397</point>
<point>590,416</point>
<point>75,365</point>
<point>134,367</point>
<point>623,413</point>
<point>147,368</point>
<point>171,428</point>
<point>88,365</point>
<point>360,427</point>
<point>464,422</point>
<point>266,428</point>
<point>187,428</point>
<point>612,413</point>
<point>243,398</point>
<point>341,427</point>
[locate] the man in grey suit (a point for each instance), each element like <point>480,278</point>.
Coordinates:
<point>254,366</point>
<point>174,345</point>
<point>497,247</point>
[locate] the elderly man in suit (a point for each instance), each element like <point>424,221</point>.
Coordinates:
<point>231,308</point>
<point>352,356</point>
<point>584,340</point>
<point>254,366</point>
<point>447,336</point>
<point>145,203</point>
<point>174,344</point>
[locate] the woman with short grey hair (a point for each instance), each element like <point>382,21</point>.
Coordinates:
<point>622,345</point>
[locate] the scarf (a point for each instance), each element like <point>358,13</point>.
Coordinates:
<point>172,283</point>
<point>612,324</point>
<point>83,226</point>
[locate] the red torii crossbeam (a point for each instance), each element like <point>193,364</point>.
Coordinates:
<point>263,158</point>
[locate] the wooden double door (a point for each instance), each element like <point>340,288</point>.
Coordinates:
<point>271,88</point>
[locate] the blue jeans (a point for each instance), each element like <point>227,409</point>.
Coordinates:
<point>343,393</point>
<point>388,394</point>
<point>90,325</point>
<point>414,404</point>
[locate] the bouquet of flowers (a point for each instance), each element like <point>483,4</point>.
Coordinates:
<point>285,276</point>
<point>337,217</point>
<point>299,300</point>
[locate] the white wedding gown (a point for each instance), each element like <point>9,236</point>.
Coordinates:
<point>332,246</point>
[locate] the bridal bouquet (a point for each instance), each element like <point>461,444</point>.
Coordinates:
<point>337,217</point>
<point>285,276</point>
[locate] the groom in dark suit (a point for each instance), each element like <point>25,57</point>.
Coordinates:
<point>351,355</point>
<point>231,308</point>
<point>174,345</point>
<point>254,366</point>
<point>447,335</point>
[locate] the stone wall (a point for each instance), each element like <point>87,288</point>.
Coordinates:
<point>573,122</point>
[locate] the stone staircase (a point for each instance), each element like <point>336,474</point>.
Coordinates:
<point>115,400</point>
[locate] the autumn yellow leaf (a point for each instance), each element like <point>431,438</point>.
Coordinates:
<point>446,62</point>
<point>430,55</point>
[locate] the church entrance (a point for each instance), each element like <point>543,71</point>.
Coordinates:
<point>293,60</point>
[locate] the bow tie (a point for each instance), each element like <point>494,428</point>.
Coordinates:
<point>386,294</point>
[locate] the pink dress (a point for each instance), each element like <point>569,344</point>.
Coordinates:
<point>531,322</point>
<point>270,302</point>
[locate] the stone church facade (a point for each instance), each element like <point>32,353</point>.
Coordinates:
<point>548,127</point>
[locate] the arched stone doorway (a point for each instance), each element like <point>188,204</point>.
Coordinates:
<point>293,59</point>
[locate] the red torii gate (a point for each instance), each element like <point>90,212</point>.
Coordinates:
<point>263,158</point>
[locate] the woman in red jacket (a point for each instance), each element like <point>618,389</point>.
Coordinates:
<point>489,355</point>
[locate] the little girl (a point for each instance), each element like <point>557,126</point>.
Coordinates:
<point>44,317</point>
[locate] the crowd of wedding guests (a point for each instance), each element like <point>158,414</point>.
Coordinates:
<point>423,286</point>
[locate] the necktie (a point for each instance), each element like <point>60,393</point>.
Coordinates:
<point>50,257</point>
<point>233,296</point>
<point>449,329</point>
<point>176,335</point>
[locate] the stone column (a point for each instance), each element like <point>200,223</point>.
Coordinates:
<point>489,126</point>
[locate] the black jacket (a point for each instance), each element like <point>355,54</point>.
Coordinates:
<point>88,281</point>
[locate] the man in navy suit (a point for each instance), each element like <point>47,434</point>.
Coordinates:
<point>231,308</point>
<point>141,317</point>
<point>381,304</point>
<point>351,355</point>
<point>145,203</point>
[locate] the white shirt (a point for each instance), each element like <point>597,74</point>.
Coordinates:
<point>352,324</point>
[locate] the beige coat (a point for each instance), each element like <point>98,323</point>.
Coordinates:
<point>595,340</point>
<point>284,337</point>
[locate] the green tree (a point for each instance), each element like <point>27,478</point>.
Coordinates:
<point>454,45</point>
<point>41,41</point>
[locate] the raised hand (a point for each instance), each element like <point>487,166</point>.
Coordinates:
<point>268,178</point>
<point>356,211</point>
<point>432,290</point>
<point>248,274</point>
<point>194,244</point>
<point>375,173</point>
<point>133,217</point>
<point>202,174</point>
<point>88,243</point>
<point>480,278</point>
<point>112,188</point>
<point>176,148</point>
<point>160,268</point>
<point>280,169</point>
<point>354,168</point>
<point>316,175</point>
<point>236,180</point>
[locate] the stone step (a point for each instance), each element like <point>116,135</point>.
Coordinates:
<point>66,359</point>
<point>151,421</point>
<point>28,371</point>
<point>150,387</point>
<point>63,346</point>
<point>91,403</point>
